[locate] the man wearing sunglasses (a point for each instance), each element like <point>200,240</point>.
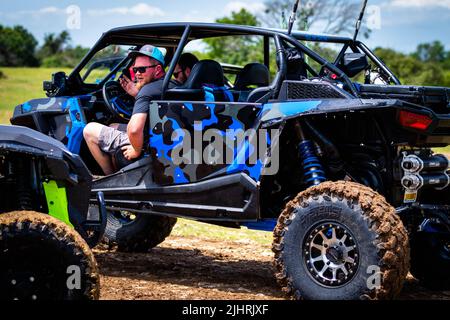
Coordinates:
<point>103,141</point>
<point>184,67</point>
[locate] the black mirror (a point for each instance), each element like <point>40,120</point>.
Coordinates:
<point>57,85</point>
<point>353,63</point>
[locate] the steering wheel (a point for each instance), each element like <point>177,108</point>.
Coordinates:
<point>117,100</point>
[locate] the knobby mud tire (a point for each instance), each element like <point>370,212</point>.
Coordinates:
<point>373,220</point>
<point>36,252</point>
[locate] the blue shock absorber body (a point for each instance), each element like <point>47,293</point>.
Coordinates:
<point>313,171</point>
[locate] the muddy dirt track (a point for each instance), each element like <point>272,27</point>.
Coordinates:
<point>193,268</point>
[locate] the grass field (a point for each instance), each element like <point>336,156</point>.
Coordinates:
<point>443,150</point>
<point>189,228</point>
<point>20,85</point>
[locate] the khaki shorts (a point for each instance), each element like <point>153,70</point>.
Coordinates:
<point>111,139</point>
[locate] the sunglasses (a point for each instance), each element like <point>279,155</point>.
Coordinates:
<point>143,69</point>
<point>176,74</point>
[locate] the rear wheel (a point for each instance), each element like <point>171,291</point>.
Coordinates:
<point>43,258</point>
<point>137,233</point>
<point>340,240</point>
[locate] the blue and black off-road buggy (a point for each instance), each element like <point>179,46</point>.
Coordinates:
<point>356,198</point>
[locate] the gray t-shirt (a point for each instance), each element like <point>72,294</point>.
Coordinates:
<point>151,91</point>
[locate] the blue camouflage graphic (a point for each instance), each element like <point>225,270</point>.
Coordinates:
<point>166,118</point>
<point>70,131</point>
<point>196,119</point>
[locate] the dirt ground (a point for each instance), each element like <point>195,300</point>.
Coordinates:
<point>191,268</point>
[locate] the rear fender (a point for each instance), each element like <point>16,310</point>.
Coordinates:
<point>282,111</point>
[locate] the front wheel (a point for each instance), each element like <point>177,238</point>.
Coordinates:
<point>42,258</point>
<point>137,233</point>
<point>340,240</point>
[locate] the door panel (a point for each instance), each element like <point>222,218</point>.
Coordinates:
<point>200,127</point>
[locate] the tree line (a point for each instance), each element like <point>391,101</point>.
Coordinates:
<point>429,64</point>
<point>19,48</point>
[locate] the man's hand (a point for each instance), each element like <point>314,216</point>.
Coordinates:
<point>130,153</point>
<point>129,86</point>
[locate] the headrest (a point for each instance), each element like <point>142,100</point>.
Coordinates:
<point>205,72</point>
<point>296,69</point>
<point>253,74</point>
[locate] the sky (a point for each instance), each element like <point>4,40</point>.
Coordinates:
<point>397,24</point>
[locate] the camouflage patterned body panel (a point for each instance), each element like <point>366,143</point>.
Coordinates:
<point>51,104</point>
<point>166,117</point>
<point>196,118</point>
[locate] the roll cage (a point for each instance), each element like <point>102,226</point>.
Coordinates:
<point>175,36</point>
<point>355,46</point>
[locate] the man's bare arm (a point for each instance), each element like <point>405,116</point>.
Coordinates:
<point>135,131</point>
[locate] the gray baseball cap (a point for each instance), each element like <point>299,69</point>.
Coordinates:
<point>149,51</point>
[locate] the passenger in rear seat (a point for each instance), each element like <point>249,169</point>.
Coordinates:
<point>184,67</point>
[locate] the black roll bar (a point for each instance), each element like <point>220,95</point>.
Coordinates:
<point>176,57</point>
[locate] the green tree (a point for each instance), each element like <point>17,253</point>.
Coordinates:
<point>412,70</point>
<point>17,47</point>
<point>446,62</point>
<point>54,44</point>
<point>436,62</point>
<point>68,58</point>
<point>236,50</point>
<point>431,52</point>
<point>56,52</point>
<point>446,79</point>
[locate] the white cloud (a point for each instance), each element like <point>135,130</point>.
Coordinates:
<point>236,6</point>
<point>49,10</point>
<point>418,3</point>
<point>43,11</point>
<point>140,9</point>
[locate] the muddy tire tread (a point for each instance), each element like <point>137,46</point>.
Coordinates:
<point>391,236</point>
<point>155,233</point>
<point>52,227</point>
